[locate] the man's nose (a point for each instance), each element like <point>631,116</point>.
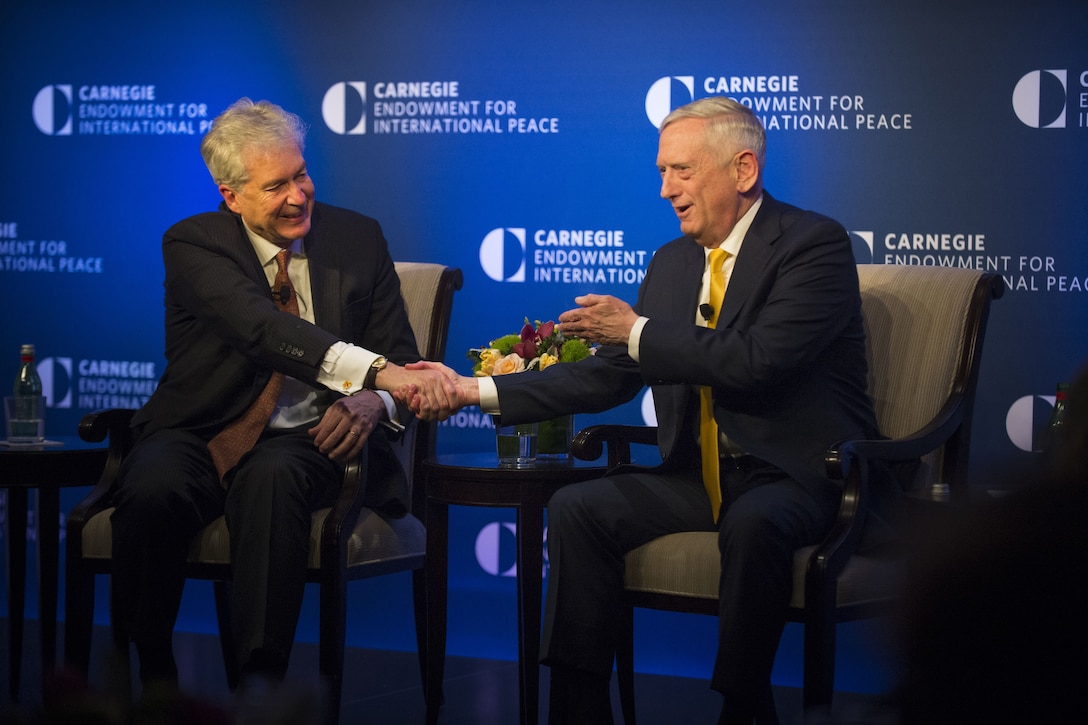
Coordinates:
<point>295,194</point>
<point>667,190</point>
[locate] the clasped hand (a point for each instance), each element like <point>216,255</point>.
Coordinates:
<point>431,390</point>
<point>460,391</point>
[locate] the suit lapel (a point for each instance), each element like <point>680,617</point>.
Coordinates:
<point>686,294</point>
<point>236,239</point>
<point>324,278</point>
<point>755,252</point>
<point>685,298</point>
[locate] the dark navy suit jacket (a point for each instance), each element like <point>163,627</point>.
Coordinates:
<point>225,334</point>
<point>786,363</point>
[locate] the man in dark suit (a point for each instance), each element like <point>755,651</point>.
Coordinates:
<point>785,369</point>
<point>325,323</point>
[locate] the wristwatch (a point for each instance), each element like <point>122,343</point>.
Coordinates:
<point>378,364</point>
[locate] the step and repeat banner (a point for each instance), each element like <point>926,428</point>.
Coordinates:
<point>517,141</point>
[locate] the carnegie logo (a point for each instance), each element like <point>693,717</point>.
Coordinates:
<point>1026,420</point>
<point>496,549</point>
<point>433,107</point>
<point>647,408</point>
<point>562,256</point>
<point>1039,99</point>
<point>502,254</point>
<point>862,243</point>
<point>344,108</point>
<point>56,375</point>
<point>96,384</point>
<point>780,102</point>
<point>667,94</point>
<point>128,109</point>
<point>52,110</point>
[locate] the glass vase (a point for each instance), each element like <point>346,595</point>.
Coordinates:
<point>516,445</point>
<point>553,439</point>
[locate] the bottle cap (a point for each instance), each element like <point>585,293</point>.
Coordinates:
<point>26,349</point>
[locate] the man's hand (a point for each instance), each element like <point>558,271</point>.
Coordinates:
<point>467,391</point>
<point>429,389</point>
<point>600,318</point>
<point>346,425</point>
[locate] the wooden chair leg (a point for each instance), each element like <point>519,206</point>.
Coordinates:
<point>78,615</point>
<point>332,632</point>
<point>625,663</point>
<point>419,605</point>
<point>120,674</point>
<point>819,663</point>
<point>227,644</point>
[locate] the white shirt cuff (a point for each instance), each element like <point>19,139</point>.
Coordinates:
<point>345,367</point>
<point>391,410</point>
<point>635,337</point>
<point>489,396</point>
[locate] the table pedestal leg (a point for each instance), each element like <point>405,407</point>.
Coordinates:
<point>437,523</point>
<point>530,563</point>
<point>48,520</point>
<point>17,504</point>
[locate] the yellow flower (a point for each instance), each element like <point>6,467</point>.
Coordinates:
<point>546,360</point>
<point>512,363</point>
<point>488,358</point>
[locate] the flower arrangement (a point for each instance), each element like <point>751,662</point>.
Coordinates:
<point>534,348</point>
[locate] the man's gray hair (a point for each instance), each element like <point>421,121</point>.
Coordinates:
<point>246,124</point>
<point>732,126</point>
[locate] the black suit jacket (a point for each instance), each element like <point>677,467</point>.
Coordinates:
<point>786,362</point>
<point>225,334</point>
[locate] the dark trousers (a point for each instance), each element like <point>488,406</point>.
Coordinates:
<point>765,517</point>
<point>168,491</point>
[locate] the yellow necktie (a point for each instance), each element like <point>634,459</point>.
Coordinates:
<point>708,427</point>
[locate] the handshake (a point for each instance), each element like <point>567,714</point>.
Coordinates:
<point>435,392</point>
<point>430,389</point>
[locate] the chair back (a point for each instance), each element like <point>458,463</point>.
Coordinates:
<point>427,290</point>
<point>924,329</point>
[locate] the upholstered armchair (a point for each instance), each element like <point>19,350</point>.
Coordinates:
<point>925,329</point>
<point>348,541</point>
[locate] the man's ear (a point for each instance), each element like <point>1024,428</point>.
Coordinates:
<point>747,170</point>
<point>229,197</point>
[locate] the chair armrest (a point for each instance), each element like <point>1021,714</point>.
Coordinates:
<point>933,435</point>
<point>590,443</point>
<point>850,463</point>
<point>341,521</point>
<point>94,427</point>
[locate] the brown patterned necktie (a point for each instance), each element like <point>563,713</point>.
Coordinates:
<point>230,444</point>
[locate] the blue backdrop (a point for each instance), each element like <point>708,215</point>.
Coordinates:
<point>516,140</point>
